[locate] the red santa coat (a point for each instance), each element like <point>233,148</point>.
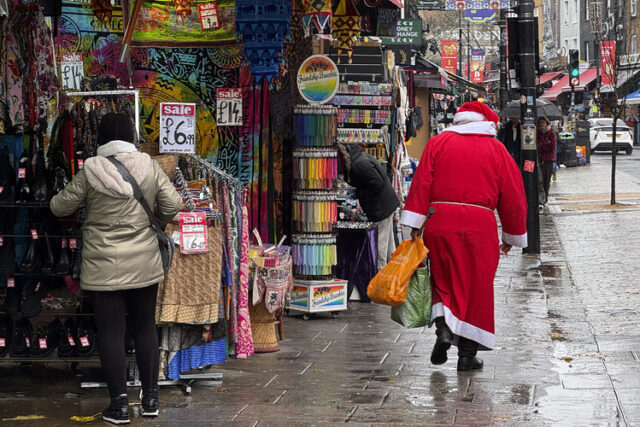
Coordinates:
<point>465,174</point>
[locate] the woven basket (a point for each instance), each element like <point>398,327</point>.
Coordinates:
<point>263,329</point>
<point>168,163</point>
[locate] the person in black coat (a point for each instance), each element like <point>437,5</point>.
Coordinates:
<point>375,194</point>
<point>510,137</point>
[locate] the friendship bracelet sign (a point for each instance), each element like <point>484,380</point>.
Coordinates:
<point>318,79</point>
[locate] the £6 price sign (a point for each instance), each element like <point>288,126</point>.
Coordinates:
<point>193,232</point>
<point>229,107</point>
<point>177,127</point>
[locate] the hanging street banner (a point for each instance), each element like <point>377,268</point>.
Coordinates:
<point>177,127</point>
<point>229,107</point>
<point>477,65</point>
<point>476,4</point>
<point>480,16</point>
<point>408,31</point>
<point>607,62</point>
<point>449,51</point>
<point>430,4</point>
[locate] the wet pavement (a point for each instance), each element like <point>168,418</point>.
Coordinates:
<point>567,347</point>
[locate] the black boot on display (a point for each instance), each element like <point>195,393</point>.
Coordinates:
<point>68,338</point>
<point>48,263</point>
<point>118,410</point>
<point>32,260</point>
<point>14,294</point>
<point>6,329</point>
<point>63,266</point>
<point>21,340</point>
<point>33,294</point>
<point>45,339</point>
<point>467,360</point>
<point>40,190</point>
<point>86,338</point>
<point>23,192</point>
<point>150,403</point>
<point>443,342</point>
<point>7,177</point>
<point>76,268</point>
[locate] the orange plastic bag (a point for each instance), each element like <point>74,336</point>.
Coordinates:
<point>390,285</point>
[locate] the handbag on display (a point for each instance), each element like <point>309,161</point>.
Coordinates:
<point>165,242</point>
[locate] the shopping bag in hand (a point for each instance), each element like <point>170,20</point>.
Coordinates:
<point>415,312</point>
<point>389,286</point>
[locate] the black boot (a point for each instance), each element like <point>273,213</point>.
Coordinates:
<point>118,410</point>
<point>7,177</point>
<point>40,189</point>
<point>76,268</point>
<point>150,403</point>
<point>467,360</point>
<point>32,261</point>
<point>23,192</point>
<point>48,263</point>
<point>443,342</point>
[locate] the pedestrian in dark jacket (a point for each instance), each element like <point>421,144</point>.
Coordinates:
<point>375,194</point>
<point>546,154</point>
<point>510,136</point>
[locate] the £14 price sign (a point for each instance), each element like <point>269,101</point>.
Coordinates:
<point>193,232</point>
<point>229,107</point>
<point>177,127</point>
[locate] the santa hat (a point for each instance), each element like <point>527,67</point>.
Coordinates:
<point>475,112</point>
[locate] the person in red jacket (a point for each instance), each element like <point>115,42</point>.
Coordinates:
<point>546,154</point>
<point>465,174</point>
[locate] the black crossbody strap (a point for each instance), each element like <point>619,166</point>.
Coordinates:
<point>137,193</point>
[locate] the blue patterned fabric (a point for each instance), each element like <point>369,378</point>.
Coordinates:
<point>197,356</point>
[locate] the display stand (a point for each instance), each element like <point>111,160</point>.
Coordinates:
<point>318,296</point>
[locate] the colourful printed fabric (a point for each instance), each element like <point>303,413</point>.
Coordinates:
<point>346,27</point>
<point>245,337</point>
<point>228,242</point>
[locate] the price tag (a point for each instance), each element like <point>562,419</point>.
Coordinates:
<point>73,243</point>
<point>177,127</point>
<point>193,232</point>
<point>37,287</point>
<point>22,173</point>
<point>80,163</point>
<point>27,341</point>
<point>34,234</point>
<point>72,342</point>
<point>229,107</point>
<point>71,70</point>
<point>209,16</point>
<point>1,189</point>
<point>63,243</point>
<point>1,241</point>
<point>11,282</point>
<point>42,343</point>
<point>84,341</point>
<point>3,342</point>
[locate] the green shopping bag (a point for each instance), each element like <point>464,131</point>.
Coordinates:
<point>415,312</point>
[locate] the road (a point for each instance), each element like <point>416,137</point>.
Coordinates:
<point>629,164</point>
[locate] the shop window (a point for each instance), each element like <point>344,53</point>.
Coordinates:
<point>634,43</point>
<point>634,7</point>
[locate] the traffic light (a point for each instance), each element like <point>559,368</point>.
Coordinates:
<point>574,67</point>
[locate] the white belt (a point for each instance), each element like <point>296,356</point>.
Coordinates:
<point>462,204</point>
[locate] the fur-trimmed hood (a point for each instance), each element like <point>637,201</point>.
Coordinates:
<point>105,178</point>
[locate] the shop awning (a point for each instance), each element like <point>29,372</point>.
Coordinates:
<point>586,77</point>
<point>448,75</point>
<point>623,77</point>
<point>552,93</point>
<point>632,98</point>
<point>397,3</point>
<point>549,76</point>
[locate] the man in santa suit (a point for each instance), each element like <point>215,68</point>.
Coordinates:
<point>465,174</point>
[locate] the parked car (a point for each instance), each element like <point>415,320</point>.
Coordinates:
<point>601,135</point>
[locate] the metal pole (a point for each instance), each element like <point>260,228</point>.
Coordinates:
<point>468,52</point>
<point>503,60</point>
<point>596,99</point>
<point>526,31</point>
<point>460,47</point>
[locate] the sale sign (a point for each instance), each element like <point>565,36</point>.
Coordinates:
<point>209,16</point>
<point>71,70</point>
<point>177,127</point>
<point>607,62</point>
<point>229,107</point>
<point>193,232</point>
<point>449,51</point>
<point>477,65</point>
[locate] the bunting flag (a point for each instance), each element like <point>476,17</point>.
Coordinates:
<point>346,27</point>
<point>317,12</point>
<point>263,26</point>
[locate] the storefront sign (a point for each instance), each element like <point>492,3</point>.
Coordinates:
<point>177,127</point>
<point>477,65</point>
<point>229,107</point>
<point>71,70</point>
<point>209,16</point>
<point>408,31</point>
<point>449,51</point>
<point>607,62</point>
<point>193,232</point>
<point>318,79</point>
<point>328,296</point>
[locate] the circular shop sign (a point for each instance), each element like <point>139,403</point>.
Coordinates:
<point>318,79</point>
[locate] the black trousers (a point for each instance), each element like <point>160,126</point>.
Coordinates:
<point>115,313</point>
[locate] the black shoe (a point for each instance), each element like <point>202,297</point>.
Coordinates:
<point>23,192</point>
<point>21,340</point>
<point>14,295</point>
<point>7,176</point>
<point>6,329</point>
<point>48,263</point>
<point>469,363</point>
<point>32,260</point>
<point>76,268</point>
<point>86,338</point>
<point>118,410</point>
<point>40,190</point>
<point>45,339</point>
<point>63,266</point>
<point>33,294</point>
<point>443,342</point>
<point>150,403</point>
<point>68,339</point>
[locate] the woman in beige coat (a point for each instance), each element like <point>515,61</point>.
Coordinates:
<point>121,264</point>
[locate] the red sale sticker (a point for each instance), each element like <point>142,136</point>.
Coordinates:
<point>11,282</point>
<point>63,244</point>
<point>1,189</point>
<point>73,243</point>
<point>37,287</point>
<point>1,241</point>
<point>529,165</point>
<point>34,234</point>
<point>84,341</point>
<point>72,342</point>
<point>22,173</point>
<point>27,341</point>
<point>209,16</point>
<point>80,163</point>
<point>193,232</point>
<point>3,342</point>
<point>42,343</point>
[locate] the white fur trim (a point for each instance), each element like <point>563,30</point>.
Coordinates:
<point>115,147</point>
<point>412,219</point>
<point>463,329</point>
<point>468,116</point>
<point>482,128</point>
<point>515,240</point>
<point>105,178</point>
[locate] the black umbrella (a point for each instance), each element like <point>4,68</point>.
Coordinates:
<point>543,108</point>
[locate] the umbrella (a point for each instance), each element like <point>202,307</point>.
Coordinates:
<point>543,108</point>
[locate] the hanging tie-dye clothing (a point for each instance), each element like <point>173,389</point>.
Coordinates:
<point>245,338</point>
